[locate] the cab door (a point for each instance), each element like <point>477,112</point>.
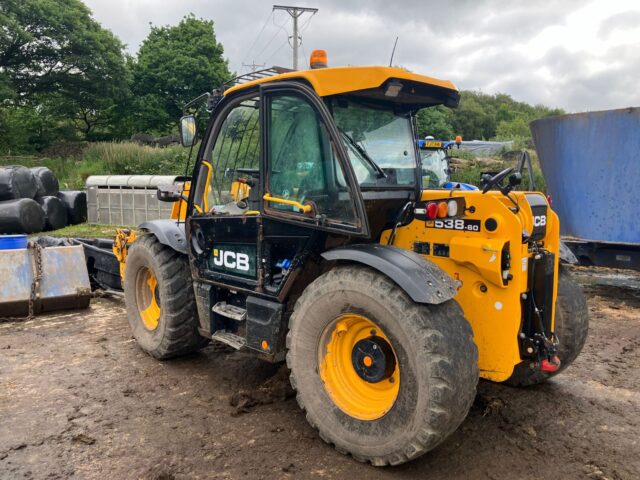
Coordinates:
<point>272,173</point>
<point>224,218</point>
<point>307,179</point>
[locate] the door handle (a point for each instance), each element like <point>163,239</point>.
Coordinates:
<point>301,207</point>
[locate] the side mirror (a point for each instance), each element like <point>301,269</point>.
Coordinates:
<point>188,130</point>
<point>169,193</point>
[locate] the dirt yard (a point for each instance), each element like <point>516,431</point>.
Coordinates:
<point>79,399</point>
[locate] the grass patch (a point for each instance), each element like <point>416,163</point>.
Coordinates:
<point>469,169</point>
<point>83,230</point>
<point>108,158</point>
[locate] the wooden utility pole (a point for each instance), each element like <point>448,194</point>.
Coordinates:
<point>295,13</point>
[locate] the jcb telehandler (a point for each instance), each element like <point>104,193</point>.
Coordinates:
<point>306,235</point>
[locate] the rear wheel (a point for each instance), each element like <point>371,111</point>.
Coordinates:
<point>160,301</point>
<point>381,377</point>
<point>571,328</point>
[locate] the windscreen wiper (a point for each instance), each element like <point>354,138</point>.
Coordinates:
<point>363,153</point>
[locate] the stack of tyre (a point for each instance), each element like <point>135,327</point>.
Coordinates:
<point>31,201</point>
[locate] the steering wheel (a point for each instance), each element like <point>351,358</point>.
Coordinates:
<point>494,181</point>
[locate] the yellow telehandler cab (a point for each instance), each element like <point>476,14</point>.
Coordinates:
<point>306,236</point>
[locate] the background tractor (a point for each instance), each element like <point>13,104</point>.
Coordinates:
<point>436,169</point>
<point>306,235</point>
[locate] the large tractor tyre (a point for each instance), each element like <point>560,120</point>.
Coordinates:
<point>571,328</point>
<point>381,377</point>
<point>160,301</point>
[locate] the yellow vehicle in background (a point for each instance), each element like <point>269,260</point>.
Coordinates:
<point>307,236</point>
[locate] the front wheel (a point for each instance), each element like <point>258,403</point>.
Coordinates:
<point>380,377</point>
<point>160,301</point>
<point>571,328</point>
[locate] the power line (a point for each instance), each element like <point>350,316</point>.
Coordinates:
<point>277,49</point>
<point>257,37</point>
<point>272,38</point>
<point>302,29</point>
<point>304,52</point>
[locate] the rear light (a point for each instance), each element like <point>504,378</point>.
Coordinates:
<point>452,208</point>
<point>549,199</point>
<point>432,210</point>
<point>440,209</point>
<point>443,209</point>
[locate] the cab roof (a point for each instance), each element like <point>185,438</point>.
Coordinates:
<point>417,90</point>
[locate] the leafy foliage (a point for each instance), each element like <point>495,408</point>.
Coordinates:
<point>108,158</point>
<point>63,77</point>
<point>59,61</point>
<point>483,117</point>
<point>174,65</point>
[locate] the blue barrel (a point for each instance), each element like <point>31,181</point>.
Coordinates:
<point>591,163</point>
<point>13,242</point>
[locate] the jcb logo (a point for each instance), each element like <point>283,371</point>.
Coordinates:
<point>229,259</point>
<point>539,220</point>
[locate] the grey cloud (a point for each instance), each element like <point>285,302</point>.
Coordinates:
<point>621,21</point>
<point>476,44</point>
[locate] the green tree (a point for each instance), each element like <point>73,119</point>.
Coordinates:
<point>56,58</point>
<point>470,118</point>
<point>174,65</point>
<point>515,129</point>
<point>435,121</point>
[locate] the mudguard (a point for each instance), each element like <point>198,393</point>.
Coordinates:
<point>168,232</point>
<point>422,280</point>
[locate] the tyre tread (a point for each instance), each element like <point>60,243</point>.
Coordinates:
<point>447,336</point>
<point>179,311</point>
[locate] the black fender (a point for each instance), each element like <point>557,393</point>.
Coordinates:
<point>566,255</point>
<point>421,279</point>
<point>168,232</point>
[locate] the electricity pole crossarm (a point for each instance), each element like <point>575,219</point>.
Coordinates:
<point>295,13</point>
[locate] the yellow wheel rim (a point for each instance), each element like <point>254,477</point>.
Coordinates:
<point>359,367</point>
<point>148,298</point>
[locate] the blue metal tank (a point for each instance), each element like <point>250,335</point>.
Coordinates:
<point>591,163</point>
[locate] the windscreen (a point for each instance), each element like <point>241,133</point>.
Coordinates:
<point>378,140</point>
<point>435,168</point>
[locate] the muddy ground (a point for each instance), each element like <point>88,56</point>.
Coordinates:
<point>79,399</point>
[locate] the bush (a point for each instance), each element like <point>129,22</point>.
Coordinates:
<point>468,169</point>
<point>109,158</point>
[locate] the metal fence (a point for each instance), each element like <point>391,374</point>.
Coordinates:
<point>127,199</point>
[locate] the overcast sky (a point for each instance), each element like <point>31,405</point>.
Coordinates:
<point>577,55</point>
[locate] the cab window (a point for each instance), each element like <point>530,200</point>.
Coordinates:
<point>302,164</point>
<point>376,138</point>
<point>235,154</point>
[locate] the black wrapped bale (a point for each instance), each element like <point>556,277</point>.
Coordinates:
<point>21,216</point>
<point>76,203</point>
<point>55,212</point>
<point>16,182</point>
<point>46,182</point>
